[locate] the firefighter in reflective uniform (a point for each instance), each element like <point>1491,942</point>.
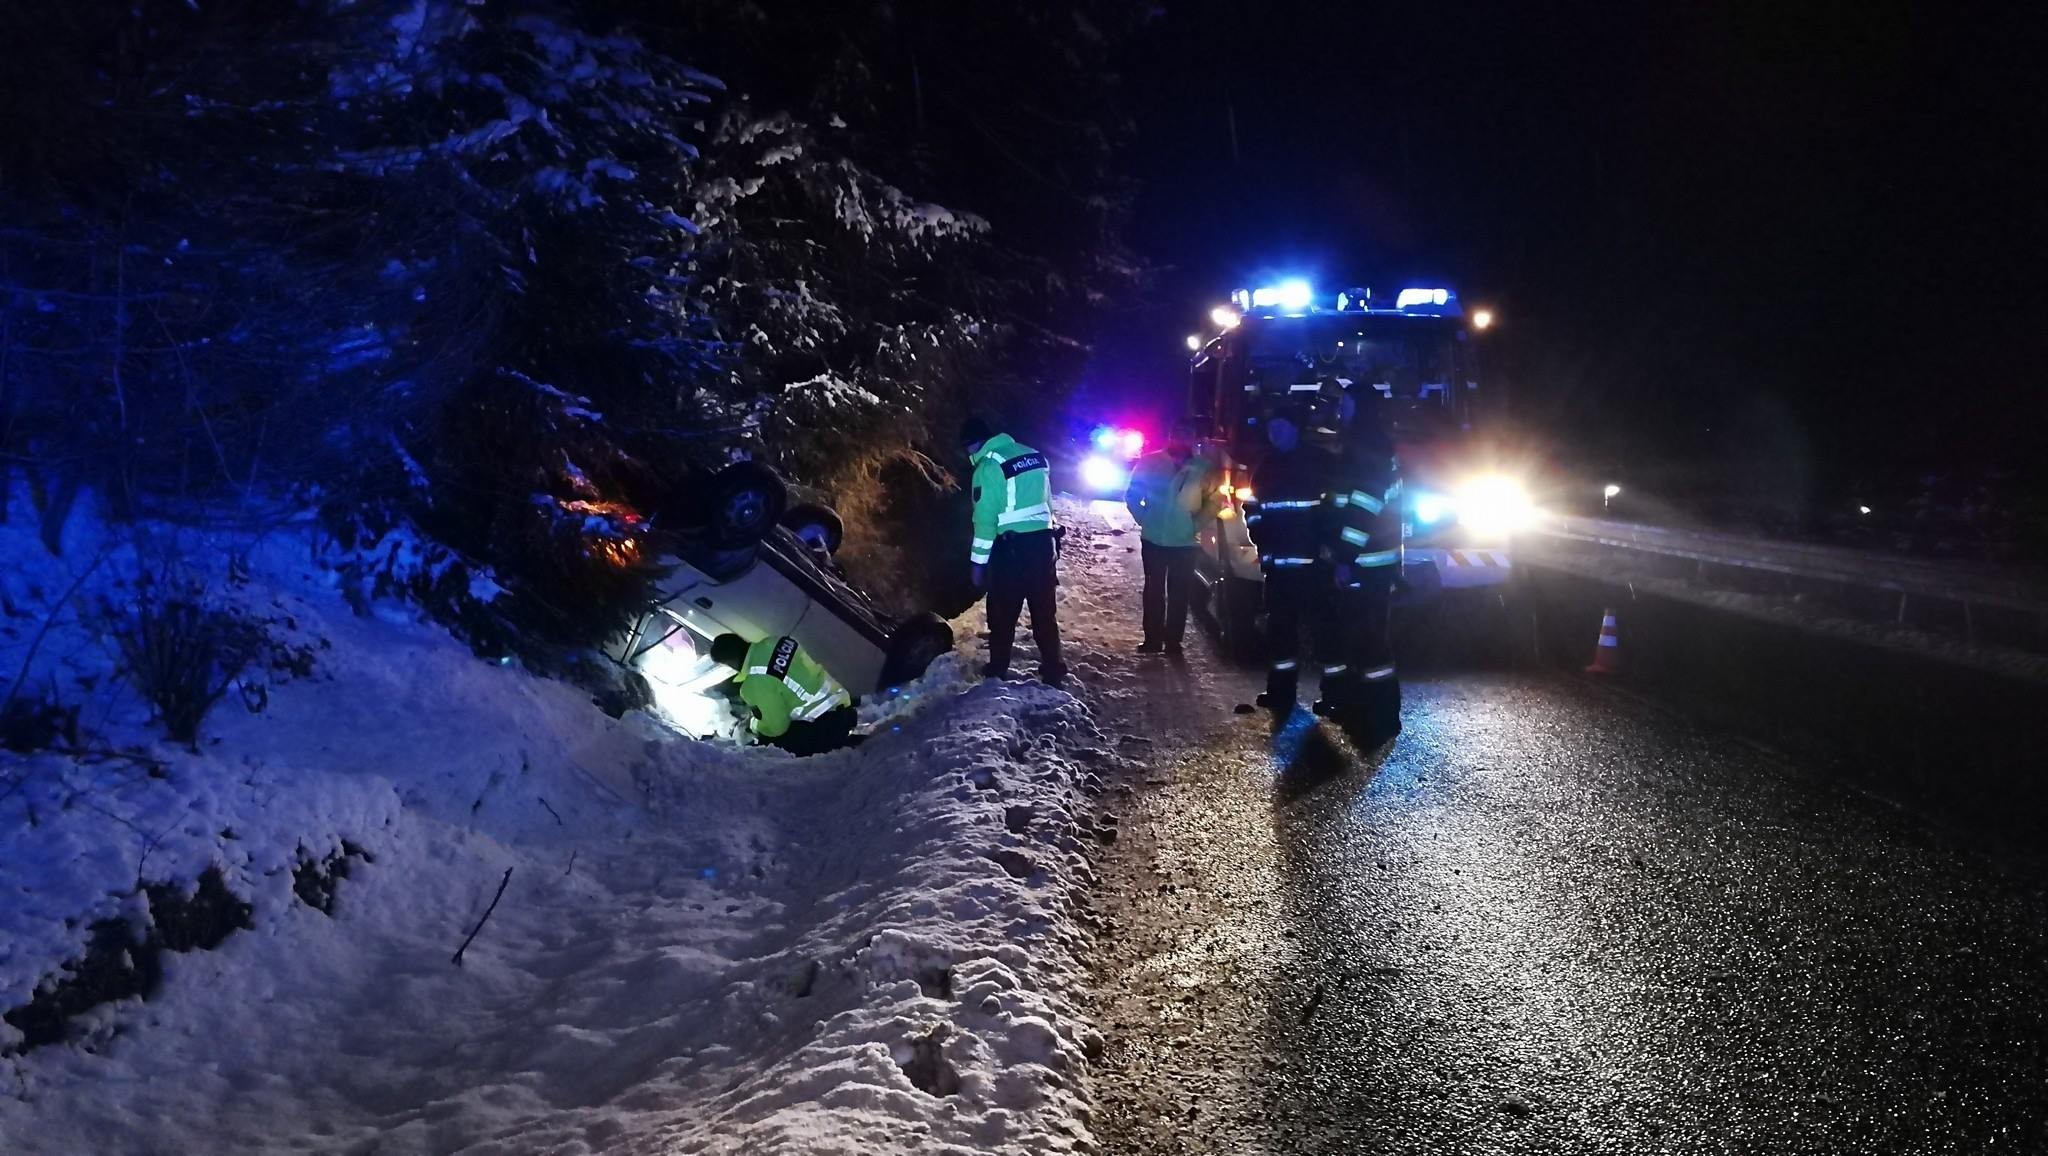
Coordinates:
<point>1361,690</point>
<point>1285,521</point>
<point>797,706</point>
<point>1015,552</point>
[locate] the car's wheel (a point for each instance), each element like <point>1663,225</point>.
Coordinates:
<point>916,643</point>
<point>816,524</point>
<point>746,499</point>
<point>1237,618</point>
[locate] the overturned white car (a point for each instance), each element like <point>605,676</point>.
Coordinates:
<point>755,567</point>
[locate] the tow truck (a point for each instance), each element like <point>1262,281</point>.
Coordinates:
<point>1412,350</point>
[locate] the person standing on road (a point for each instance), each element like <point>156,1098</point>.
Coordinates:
<point>1015,553</point>
<point>1172,493</point>
<point>1286,524</point>
<point>797,706</point>
<point>1361,689</point>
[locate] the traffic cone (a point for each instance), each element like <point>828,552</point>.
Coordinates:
<point>1607,655</point>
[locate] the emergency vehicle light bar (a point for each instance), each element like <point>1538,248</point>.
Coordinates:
<point>1295,296</point>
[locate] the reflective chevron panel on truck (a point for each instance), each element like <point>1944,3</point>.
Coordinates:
<point>1477,558</point>
<point>1466,568</point>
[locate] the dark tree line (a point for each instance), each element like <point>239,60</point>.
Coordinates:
<point>472,278</point>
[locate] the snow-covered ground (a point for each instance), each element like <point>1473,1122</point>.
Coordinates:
<point>700,949</point>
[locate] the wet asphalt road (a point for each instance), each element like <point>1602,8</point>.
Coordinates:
<point>1551,918</point>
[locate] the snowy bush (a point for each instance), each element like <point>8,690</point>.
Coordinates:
<point>182,653</point>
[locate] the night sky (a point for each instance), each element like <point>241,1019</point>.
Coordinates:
<point>1801,241</point>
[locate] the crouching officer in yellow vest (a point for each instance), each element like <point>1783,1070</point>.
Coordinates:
<point>797,706</point>
<point>1361,690</point>
<point>1015,553</point>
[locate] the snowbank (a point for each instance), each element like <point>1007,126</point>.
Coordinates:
<point>700,949</point>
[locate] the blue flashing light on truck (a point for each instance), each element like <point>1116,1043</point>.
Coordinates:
<point>1415,354</point>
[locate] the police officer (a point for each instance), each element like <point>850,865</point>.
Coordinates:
<point>797,705</point>
<point>1286,524</point>
<point>1361,689</point>
<point>1171,496</point>
<point>1015,551</point>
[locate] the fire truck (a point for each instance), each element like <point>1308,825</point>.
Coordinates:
<point>1414,352</point>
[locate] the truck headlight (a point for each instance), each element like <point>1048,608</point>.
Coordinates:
<point>1495,505</point>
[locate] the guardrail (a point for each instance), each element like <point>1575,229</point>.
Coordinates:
<point>1867,568</point>
<point>1969,587</point>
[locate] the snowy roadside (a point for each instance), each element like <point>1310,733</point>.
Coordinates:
<point>699,949</point>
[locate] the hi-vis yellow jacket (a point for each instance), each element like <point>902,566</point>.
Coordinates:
<point>1012,493</point>
<point>784,685</point>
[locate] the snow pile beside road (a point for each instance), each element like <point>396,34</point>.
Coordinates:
<point>699,949</point>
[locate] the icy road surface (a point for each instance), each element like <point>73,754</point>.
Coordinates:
<point>1550,919</point>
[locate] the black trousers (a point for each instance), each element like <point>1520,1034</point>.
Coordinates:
<point>1360,682</point>
<point>1294,595</point>
<point>1024,569</point>
<point>827,732</point>
<point>1169,574</point>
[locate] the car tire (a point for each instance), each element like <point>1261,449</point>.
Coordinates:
<point>799,517</point>
<point>745,501</point>
<point>1239,603</point>
<point>913,646</point>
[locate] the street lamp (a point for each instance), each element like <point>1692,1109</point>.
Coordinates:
<point>1194,343</point>
<point>1608,495</point>
<point>1482,318</point>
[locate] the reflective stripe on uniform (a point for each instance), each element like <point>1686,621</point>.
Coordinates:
<point>1378,558</point>
<point>1338,669</point>
<point>1384,672</point>
<point>1371,504</point>
<point>1340,500</point>
<point>817,708</point>
<point>1308,504</point>
<point>1290,664</point>
<point>1355,536</point>
<point>1271,561</point>
<point>1030,514</point>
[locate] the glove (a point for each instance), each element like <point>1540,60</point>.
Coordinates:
<point>981,575</point>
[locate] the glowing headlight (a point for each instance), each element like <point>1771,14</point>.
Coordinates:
<point>1101,475</point>
<point>1432,508</point>
<point>1494,505</point>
